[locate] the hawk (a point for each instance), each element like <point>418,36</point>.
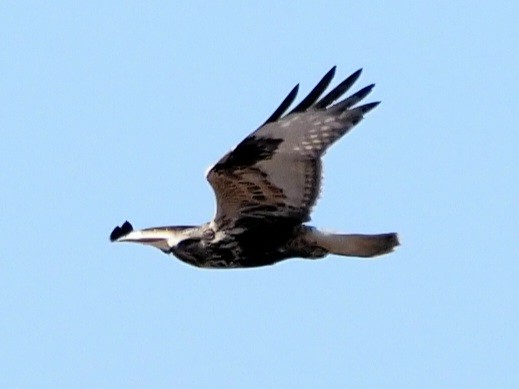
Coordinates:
<point>266,187</point>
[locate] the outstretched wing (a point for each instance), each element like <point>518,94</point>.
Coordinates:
<point>275,173</point>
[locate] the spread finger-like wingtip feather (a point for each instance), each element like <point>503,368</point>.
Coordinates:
<point>354,98</point>
<point>316,92</point>
<point>119,232</point>
<point>285,104</point>
<point>338,91</point>
<point>365,108</point>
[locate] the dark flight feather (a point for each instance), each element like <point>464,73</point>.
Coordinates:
<point>315,93</point>
<point>338,91</point>
<point>118,232</point>
<point>285,104</point>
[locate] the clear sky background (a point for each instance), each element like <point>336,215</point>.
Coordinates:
<point>113,110</point>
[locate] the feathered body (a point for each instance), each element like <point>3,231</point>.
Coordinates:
<point>266,187</point>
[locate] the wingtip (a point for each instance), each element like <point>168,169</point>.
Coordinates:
<point>119,232</point>
<point>369,88</point>
<point>328,77</point>
<point>368,107</point>
<point>356,74</point>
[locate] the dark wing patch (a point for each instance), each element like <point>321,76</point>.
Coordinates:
<point>119,232</point>
<point>250,151</point>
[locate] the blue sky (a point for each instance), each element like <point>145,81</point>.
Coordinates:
<point>113,110</point>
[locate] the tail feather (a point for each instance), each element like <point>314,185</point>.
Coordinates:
<point>356,245</point>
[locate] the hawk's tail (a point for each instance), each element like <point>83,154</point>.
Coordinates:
<point>356,245</point>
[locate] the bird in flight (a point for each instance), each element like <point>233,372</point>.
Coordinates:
<point>266,187</point>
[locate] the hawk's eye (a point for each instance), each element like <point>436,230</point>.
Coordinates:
<point>208,234</point>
